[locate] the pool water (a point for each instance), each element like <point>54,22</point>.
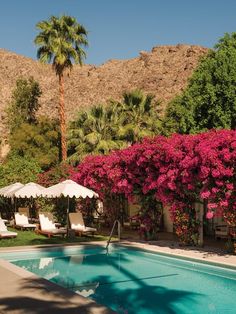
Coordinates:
<point>134,281</point>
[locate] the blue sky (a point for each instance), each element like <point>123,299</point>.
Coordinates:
<point>119,29</point>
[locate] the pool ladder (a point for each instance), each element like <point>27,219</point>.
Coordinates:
<point>112,230</point>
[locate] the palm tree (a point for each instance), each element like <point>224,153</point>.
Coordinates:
<point>139,116</point>
<point>60,40</point>
<point>94,132</point>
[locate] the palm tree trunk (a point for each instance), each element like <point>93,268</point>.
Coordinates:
<point>62,118</point>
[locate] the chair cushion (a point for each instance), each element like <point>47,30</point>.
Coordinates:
<point>6,234</point>
<point>26,225</point>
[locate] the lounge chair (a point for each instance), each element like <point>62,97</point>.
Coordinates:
<point>24,210</point>
<point>77,224</point>
<point>4,233</point>
<point>51,218</point>
<point>48,227</point>
<point>4,220</point>
<point>22,222</point>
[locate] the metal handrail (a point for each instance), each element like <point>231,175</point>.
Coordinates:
<point>112,230</point>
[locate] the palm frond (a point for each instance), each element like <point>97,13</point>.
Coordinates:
<point>60,40</point>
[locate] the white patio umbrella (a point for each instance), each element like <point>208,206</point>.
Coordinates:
<point>10,188</point>
<point>29,190</point>
<point>69,189</point>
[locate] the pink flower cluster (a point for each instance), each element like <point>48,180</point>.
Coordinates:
<point>178,170</point>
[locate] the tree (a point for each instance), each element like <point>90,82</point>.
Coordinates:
<point>60,40</point>
<point>210,98</point>
<point>94,132</point>
<point>24,103</point>
<point>113,126</point>
<point>18,169</point>
<point>37,141</point>
<point>139,116</point>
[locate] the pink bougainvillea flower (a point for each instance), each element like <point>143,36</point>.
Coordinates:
<point>224,203</point>
<point>230,186</point>
<point>211,205</point>
<point>209,215</point>
<point>205,194</point>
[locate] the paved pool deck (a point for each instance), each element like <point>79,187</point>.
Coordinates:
<point>205,254</point>
<point>23,292</point>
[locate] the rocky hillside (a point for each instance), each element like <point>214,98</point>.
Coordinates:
<point>163,72</point>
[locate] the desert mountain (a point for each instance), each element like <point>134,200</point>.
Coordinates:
<point>163,72</point>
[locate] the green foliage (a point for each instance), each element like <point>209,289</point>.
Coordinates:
<point>24,103</point>
<point>18,169</point>
<point>60,40</point>
<point>94,132</point>
<point>139,117</point>
<point>104,128</point>
<point>56,174</point>
<point>38,141</point>
<point>210,98</point>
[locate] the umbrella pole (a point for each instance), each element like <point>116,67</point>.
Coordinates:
<point>67,217</point>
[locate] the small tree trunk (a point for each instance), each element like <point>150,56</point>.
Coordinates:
<point>62,118</point>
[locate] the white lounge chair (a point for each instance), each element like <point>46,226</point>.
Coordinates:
<point>48,227</point>
<point>4,233</point>
<point>77,224</point>
<point>22,222</point>
<point>4,220</point>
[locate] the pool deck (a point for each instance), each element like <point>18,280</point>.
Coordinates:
<point>23,292</point>
<point>206,254</point>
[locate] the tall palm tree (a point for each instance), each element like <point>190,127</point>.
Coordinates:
<point>60,40</point>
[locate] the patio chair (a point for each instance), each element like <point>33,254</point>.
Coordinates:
<point>24,210</point>
<point>4,233</point>
<point>51,218</point>
<point>77,224</point>
<point>4,220</point>
<point>22,222</point>
<point>48,227</point>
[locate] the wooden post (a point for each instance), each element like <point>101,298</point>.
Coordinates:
<point>200,212</point>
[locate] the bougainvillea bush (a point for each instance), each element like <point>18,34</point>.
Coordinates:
<point>56,174</point>
<point>178,171</point>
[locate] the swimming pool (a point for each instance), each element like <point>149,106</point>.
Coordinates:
<point>135,281</point>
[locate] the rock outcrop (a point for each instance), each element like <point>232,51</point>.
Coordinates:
<point>163,72</point>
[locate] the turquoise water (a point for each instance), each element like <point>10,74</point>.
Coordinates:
<point>134,281</point>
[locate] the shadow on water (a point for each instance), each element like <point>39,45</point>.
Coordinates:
<point>137,294</point>
<point>142,298</point>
